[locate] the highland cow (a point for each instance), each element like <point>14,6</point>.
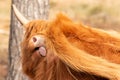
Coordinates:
<point>64,50</point>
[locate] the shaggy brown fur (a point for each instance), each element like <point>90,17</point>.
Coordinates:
<point>74,52</point>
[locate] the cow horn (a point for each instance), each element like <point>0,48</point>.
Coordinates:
<point>20,17</point>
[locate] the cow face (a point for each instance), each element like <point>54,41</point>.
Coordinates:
<point>33,46</point>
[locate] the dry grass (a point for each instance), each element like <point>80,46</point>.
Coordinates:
<point>98,13</point>
<point>4,32</point>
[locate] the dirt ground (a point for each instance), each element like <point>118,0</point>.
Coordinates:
<point>103,14</point>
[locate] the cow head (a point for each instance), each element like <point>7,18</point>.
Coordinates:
<point>33,44</point>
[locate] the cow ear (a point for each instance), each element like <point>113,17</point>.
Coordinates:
<point>61,17</point>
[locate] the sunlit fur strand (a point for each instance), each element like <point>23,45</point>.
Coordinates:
<point>79,59</point>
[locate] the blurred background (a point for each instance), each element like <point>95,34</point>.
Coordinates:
<point>103,14</point>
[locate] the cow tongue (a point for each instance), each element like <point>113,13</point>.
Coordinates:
<point>42,51</point>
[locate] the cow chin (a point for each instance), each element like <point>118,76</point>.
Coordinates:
<point>30,59</point>
<point>29,65</point>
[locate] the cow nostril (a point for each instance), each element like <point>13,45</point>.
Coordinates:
<point>34,39</point>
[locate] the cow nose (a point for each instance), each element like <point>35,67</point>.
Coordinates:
<point>34,39</point>
<point>38,40</point>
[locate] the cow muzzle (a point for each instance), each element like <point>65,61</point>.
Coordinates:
<point>39,45</point>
